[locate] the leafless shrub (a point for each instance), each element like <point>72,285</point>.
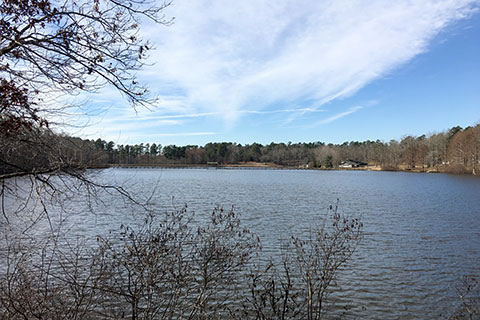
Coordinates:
<point>177,266</point>
<point>52,283</point>
<point>469,294</point>
<point>300,288</point>
<point>168,268</point>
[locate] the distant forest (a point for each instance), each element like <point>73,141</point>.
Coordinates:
<point>455,150</point>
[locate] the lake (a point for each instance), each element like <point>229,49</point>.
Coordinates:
<point>421,231</point>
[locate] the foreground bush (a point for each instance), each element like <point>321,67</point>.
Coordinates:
<point>176,267</point>
<point>469,294</point>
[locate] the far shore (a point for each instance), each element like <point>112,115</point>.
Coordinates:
<point>267,165</point>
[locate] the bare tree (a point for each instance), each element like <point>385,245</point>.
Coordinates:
<point>437,146</point>
<point>69,46</point>
<point>463,151</point>
<point>51,48</point>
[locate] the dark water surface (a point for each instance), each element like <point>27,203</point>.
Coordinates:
<point>422,231</point>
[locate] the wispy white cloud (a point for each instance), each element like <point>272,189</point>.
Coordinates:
<point>231,58</point>
<point>142,137</point>
<point>127,117</point>
<point>126,134</point>
<point>184,134</point>
<point>338,116</point>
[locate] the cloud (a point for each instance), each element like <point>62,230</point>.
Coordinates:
<point>122,134</point>
<point>184,134</point>
<point>159,118</point>
<point>140,137</point>
<point>338,116</point>
<point>231,58</point>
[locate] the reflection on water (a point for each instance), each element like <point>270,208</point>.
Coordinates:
<point>422,231</point>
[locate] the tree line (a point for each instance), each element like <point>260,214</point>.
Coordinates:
<point>454,150</point>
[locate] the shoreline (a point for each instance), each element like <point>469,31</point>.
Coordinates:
<point>271,166</point>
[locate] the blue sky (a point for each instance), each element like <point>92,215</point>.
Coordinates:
<point>333,71</point>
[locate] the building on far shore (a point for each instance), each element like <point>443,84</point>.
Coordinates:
<point>352,164</point>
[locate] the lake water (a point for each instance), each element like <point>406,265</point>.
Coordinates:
<point>421,231</point>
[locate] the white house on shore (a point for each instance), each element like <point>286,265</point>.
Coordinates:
<point>352,164</point>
